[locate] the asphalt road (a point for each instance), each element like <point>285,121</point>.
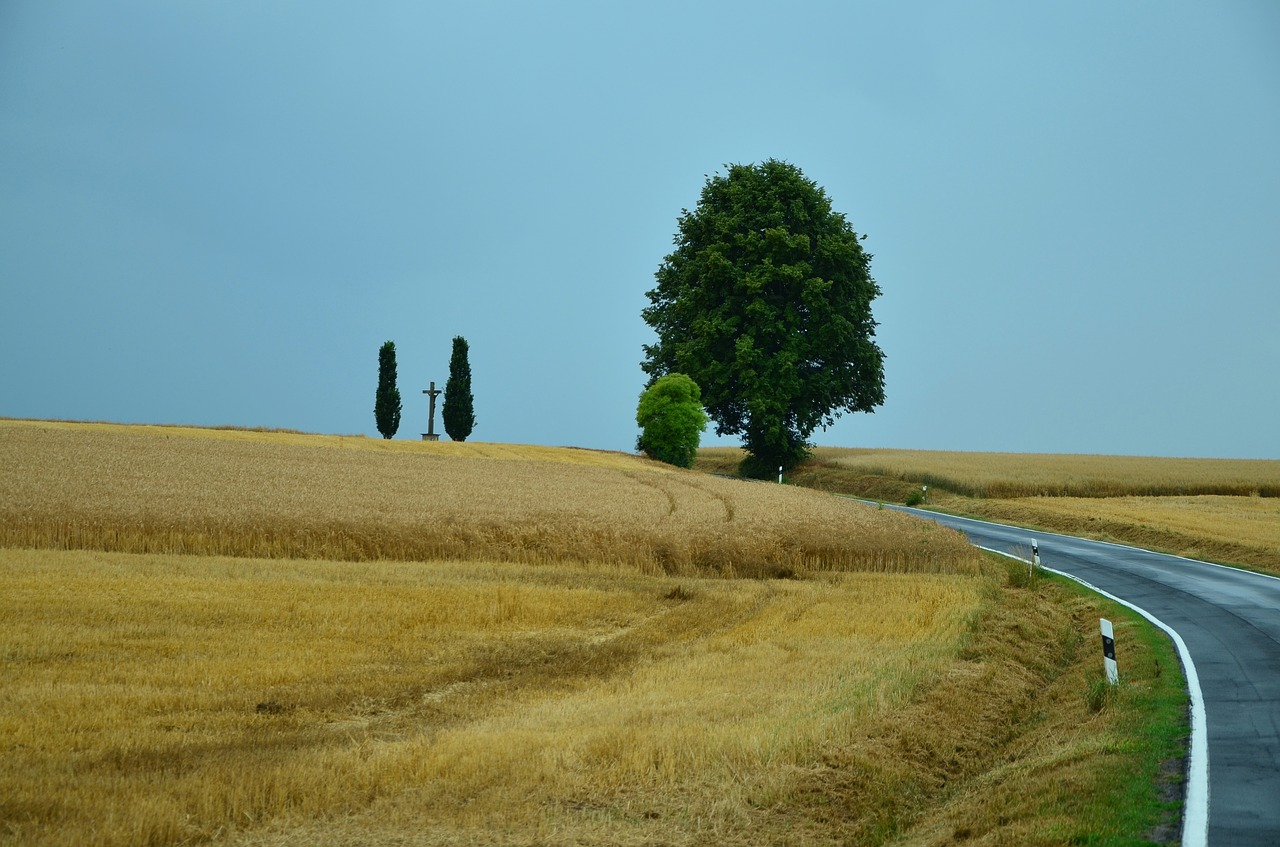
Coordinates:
<point>1229,622</point>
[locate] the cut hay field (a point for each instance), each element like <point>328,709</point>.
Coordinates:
<point>213,637</point>
<point>1222,510</point>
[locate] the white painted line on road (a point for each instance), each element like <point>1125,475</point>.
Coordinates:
<point>1195,810</point>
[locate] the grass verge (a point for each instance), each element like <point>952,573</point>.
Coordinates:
<point>1098,764</point>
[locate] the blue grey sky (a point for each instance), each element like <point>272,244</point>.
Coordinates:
<point>216,212</point>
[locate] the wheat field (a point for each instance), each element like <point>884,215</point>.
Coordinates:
<point>1222,510</point>
<point>154,699</point>
<point>266,638</point>
<point>1009,475</point>
<point>1232,530</point>
<point>169,490</point>
<point>218,635</point>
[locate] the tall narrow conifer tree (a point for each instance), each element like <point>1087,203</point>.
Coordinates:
<point>459,409</point>
<point>386,404</point>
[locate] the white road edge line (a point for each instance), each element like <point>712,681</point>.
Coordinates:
<point>1195,807</point>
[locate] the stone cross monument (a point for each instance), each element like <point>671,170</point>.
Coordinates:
<point>433,393</point>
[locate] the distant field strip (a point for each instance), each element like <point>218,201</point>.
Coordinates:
<point>1004,475</point>
<point>271,495</point>
<point>1222,510</point>
<point>1243,530</point>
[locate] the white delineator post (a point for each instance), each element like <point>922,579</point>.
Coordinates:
<point>1035,557</point>
<point>1109,652</point>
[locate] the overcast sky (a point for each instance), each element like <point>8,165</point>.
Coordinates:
<point>217,212</point>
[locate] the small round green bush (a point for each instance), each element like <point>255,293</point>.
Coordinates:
<point>671,420</point>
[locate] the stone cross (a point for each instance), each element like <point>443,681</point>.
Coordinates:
<point>433,393</point>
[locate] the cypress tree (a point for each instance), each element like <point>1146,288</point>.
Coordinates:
<point>459,410</point>
<point>386,404</point>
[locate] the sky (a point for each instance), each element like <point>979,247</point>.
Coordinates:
<point>216,212</point>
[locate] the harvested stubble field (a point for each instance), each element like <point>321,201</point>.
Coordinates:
<point>1221,510</point>
<point>566,662</point>
<point>182,698</point>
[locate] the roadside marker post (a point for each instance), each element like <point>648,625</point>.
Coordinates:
<point>1035,558</point>
<point>1109,652</point>
<point>779,474</point>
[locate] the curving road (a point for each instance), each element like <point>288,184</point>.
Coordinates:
<point>1228,621</point>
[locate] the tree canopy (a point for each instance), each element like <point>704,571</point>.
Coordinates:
<point>671,420</point>
<point>459,406</point>
<point>766,304</point>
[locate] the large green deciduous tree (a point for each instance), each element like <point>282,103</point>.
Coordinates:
<point>766,304</point>
<point>459,406</point>
<point>671,420</point>
<point>386,403</point>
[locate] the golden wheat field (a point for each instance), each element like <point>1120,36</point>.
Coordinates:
<point>154,489</point>
<point>156,699</point>
<point>222,637</point>
<point>1007,475</point>
<point>1223,510</point>
<point>1232,530</point>
<point>571,637</point>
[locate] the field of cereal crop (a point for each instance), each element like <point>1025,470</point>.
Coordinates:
<point>255,638</point>
<point>1222,510</point>
<point>162,490</point>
